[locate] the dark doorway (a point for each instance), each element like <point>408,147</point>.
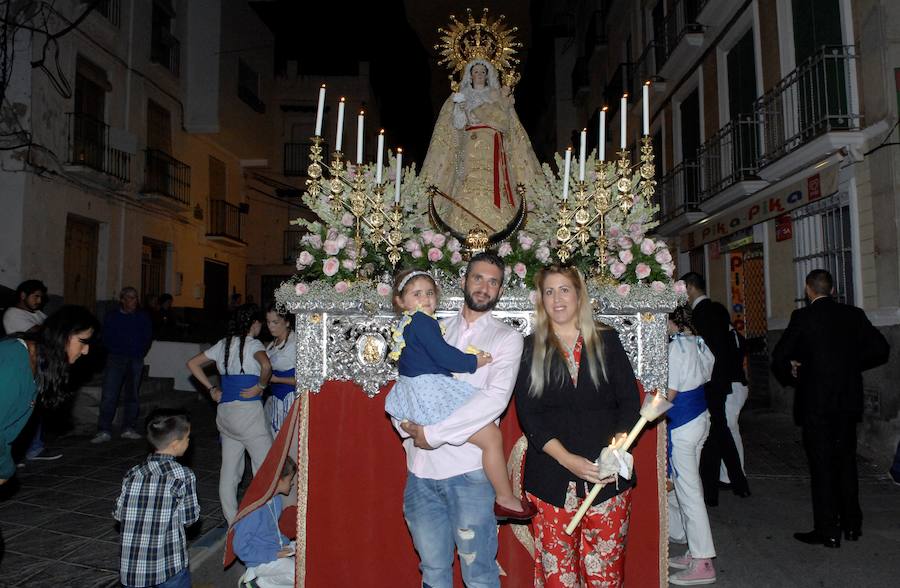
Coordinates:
<point>215,294</point>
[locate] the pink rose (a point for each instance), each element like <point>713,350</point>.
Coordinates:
<point>624,243</point>
<point>642,271</point>
<point>411,245</point>
<point>626,256</point>
<point>679,287</point>
<point>658,286</point>
<point>636,232</point>
<point>341,241</point>
<point>648,246</point>
<point>434,254</point>
<point>348,220</point>
<point>614,232</point>
<point>383,289</point>
<point>349,264</point>
<point>330,266</point>
<point>456,257</point>
<point>454,244</point>
<point>617,269</point>
<point>427,237</point>
<point>542,254</point>
<point>331,247</point>
<point>504,249</point>
<point>668,269</point>
<point>520,270</point>
<point>331,235</point>
<point>438,240</point>
<point>525,241</point>
<point>306,259</point>
<point>341,287</point>
<point>417,253</point>
<point>623,290</point>
<point>314,240</point>
<point>532,296</point>
<point>663,256</point>
<point>300,289</point>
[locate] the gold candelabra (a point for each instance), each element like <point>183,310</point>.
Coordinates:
<point>612,188</point>
<point>365,202</point>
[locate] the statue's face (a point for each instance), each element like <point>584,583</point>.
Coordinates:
<point>479,75</point>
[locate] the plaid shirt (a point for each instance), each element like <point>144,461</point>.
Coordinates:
<point>158,499</point>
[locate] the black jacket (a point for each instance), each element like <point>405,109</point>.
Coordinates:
<point>712,322</point>
<point>584,418</point>
<point>834,344</point>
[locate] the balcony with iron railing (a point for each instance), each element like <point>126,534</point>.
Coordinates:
<point>166,51</point>
<point>226,223</point>
<point>292,245</point>
<point>618,84</point>
<point>643,69</point>
<point>678,197</point>
<point>89,149</point>
<point>678,39</point>
<point>166,179</point>
<point>812,111</point>
<point>296,157</point>
<point>729,164</point>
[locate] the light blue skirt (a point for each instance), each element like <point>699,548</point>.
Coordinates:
<point>426,399</point>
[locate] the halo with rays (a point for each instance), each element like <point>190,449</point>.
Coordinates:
<point>487,39</point>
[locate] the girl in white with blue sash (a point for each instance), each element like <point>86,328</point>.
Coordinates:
<point>244,372</point>
<point>282,352</point>
<point>690,366</point>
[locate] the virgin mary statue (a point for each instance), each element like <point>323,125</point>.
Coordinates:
<point>478,154</point>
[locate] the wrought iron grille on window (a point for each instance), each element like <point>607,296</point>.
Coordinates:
<point>821,235</point>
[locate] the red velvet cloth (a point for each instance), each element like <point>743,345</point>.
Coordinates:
<point>357,471</point>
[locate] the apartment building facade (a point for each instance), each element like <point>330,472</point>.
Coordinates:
<point>775,129</point>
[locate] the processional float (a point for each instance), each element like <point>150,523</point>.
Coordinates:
<point>597,219</point>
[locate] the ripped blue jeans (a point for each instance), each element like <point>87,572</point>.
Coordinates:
<point>457,511</point>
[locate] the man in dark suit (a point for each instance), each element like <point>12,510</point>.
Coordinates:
<point>712,322</point>
<point>822,353</point>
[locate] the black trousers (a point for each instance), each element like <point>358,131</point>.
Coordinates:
<point>719,446</point>
<point>830,444</point>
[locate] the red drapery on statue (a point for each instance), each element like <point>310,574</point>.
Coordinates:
<point>355,534</point>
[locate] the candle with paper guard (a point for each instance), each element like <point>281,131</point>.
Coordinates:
<point>646,97</point>
<point>399,170</point>
<point>379,163</point>
<point>602,144</point>
<point>624,116</point>
<point>339,140</point>
<point>320,111</point>
<point>566,173</point>
<point>360,123</point>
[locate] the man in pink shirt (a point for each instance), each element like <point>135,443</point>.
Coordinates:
<point>448,501</point>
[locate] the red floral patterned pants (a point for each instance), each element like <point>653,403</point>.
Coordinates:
<point>594,555</point>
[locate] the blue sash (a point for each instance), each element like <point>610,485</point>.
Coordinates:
<point>686,407</point>
<point>233,384</point>
<point>281,391</point>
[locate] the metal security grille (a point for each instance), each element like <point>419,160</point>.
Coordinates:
<point>822,241</point>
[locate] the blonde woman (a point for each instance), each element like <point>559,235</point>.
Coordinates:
<point>575,392</point>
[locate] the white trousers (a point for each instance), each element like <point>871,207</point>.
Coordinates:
<point>687,511</point>
<point>733,405</point>
<point>243,427</point>
<point>275,574</point>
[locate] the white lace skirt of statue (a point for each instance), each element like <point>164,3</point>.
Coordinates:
<point>426,399</point>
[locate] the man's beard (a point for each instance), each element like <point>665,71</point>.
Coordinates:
<point>484,306</point>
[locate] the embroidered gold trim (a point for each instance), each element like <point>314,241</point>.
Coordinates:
<point>302,490</point>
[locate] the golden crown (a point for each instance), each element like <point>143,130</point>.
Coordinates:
<point>487,39</point>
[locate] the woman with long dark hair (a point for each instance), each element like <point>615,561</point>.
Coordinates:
<point>575,392</point>
<point>35,366</point>
<point>282,352</point>
<point>244,372</point>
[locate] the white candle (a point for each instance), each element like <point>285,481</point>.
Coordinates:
<point>360,123</point>
<point>566,174</point>
<point>603,133</point>
<point>380,161</point>
<point>646,98</point>
<point>339,140</point>
<point>623,108</point>
<point>399,170</point>
<point>320,111</point>
<point>582,154</point>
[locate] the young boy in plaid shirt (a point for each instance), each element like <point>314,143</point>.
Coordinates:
<point>158,500</point>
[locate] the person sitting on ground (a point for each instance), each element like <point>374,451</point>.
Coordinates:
<point>158,500</point>
<point>258,541</point>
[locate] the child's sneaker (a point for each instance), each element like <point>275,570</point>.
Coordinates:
<point>701,571</point>
<point>681,562</point>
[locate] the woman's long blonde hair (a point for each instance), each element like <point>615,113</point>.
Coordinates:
<point>545,339</point>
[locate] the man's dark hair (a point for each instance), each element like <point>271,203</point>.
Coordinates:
<point>487,257</point>
<point>694,279</point>
<point>166,425</point>
<point>28,287</point>
<point>289,468</point>
<point>820,282</point>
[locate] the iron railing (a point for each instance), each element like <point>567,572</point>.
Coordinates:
<point>731,155</point>
<point>292,245</point>
<point>814,99</point>
<point>618,85</point>
<point>166,176</point>
<point>89,146</point>
<point>679,190</point>
<point>225,220</point>
<point>111,10</point>
<point>296,157</point>
<point>680,20</point>
<point>643,69</point>
<point>166,51</point>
